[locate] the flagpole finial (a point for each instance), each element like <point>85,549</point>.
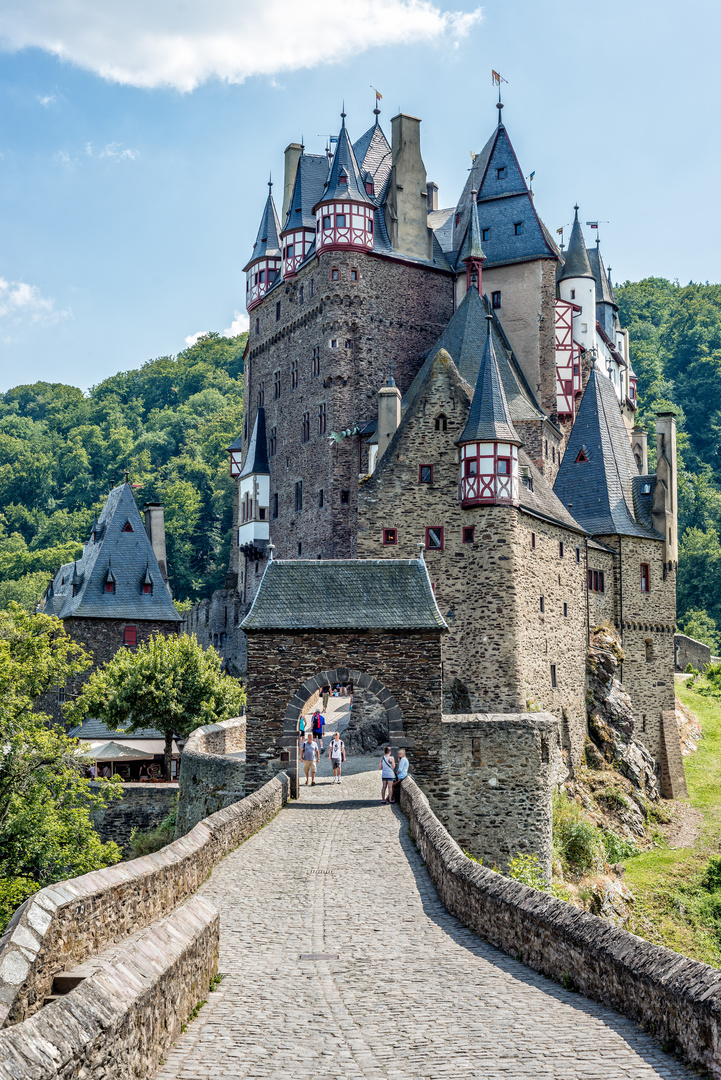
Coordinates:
<point>499,106</point>
<point>343,114</point>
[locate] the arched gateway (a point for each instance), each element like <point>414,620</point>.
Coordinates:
<point>371,621</point>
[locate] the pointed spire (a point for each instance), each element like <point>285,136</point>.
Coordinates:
<point>267,242</point>
<point>344,178</point>
<point>256,460</point>
<point>576,263</point>
<point>472,250</point>
<point>489,419</point>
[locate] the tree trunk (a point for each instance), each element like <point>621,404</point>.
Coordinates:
<point>168,752</point>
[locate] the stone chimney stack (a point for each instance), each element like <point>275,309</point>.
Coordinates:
<point>292,157</point>
<point>432,196</point>
<point>639,445</point>
<point>154,515</point>
<point>406,204</point>
<point>389,415</point>
<point>665,505</point>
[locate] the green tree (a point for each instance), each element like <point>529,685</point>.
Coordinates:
<point>699,572</point>
<point>701,627</point>
<point>169,683</point>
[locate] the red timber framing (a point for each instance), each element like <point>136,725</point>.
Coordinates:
<point>259,279</point>
<point>568,361</point>
<point>344,225</point>
<point>296,245</point>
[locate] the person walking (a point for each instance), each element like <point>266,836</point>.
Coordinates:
<point>325,693</point>
<point>336,755</point>
<point>301,728</point>
<point>319,728</point>
<point>311,757</point>
<point>387,766</point>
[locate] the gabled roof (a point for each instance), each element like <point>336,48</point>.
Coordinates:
<point>344,594</point>
<point>489,418</point>
<point>256,460</point>
<point>267,242</point>
<point>575,259</point>
<point>598,491</point>
<point>310,178</point>
<point>374,155</point>
<point>122,555</point>
<point>604,292</point>
<point>344,165</point>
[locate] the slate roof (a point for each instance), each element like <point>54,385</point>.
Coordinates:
<point>374,155</point>
<point>344,594</point>
<point>344,164</point>
<point>489,418</point>
<point>267,242</point>
<point>119,555</point>
<point>471,248</point>
<point>599,492</point>
<point>310,178</point>
<point>256,460</point>
<point>97,729</point>
<point>541,498</point>
<point>441,221</point>
<point>575,259</point>
<point>604,292</point>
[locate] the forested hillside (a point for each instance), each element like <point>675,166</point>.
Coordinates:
<point>168,423</point>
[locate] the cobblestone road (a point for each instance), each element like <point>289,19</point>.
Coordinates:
<point>413,994</point>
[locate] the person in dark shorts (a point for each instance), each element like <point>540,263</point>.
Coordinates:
<point>336,755</point>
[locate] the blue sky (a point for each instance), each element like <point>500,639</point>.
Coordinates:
<point>136,141</point>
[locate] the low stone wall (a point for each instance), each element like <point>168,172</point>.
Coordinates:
<point>676,999</point>
<point>121,1019</point>
<point>63,924</point>
<point>143,806</point>
<point>212,772</point>
<point>689,651</point>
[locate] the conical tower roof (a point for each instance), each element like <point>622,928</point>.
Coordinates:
<point>489,418</point>
<point>256,460</point>
<point>471,249</point>
<point>267,242</point>
<point>576,264</point>
<point>344,179</point>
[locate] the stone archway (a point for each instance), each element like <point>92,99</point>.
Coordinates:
<point>310,688</point>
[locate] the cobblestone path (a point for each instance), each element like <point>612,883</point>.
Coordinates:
<point>413,995</point>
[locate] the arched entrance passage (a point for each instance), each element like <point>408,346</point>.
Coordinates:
<point>311,689</point>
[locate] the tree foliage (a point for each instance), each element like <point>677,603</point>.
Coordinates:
<point>168,423</point>
<point>168,683</point>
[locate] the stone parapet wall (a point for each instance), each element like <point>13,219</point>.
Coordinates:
<point>143,806</point>
<point>122,1018</point>
<point>212,772</point>
<point>677,999</point>
<point>689,651</point>
<point>62,925</point>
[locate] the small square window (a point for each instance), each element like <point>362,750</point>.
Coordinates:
<point>501,173</point>
<point>517,228</point>
<point>348,343</point>
<point>335,274</point>
<point>425,474</point>
<point>390,536</point>
<point>496,299</point>
<point>345,498</point>
<point>277,311</point>
<point>485,234</point>
<point>467,534</point>
<point>554,678</point>
<point>565,611</point>
<point>334,343</point>
<point>353,274</point>
<point>434,538</point>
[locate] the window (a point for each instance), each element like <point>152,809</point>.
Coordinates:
<point>645,489</point>
<point>261,277</point>
<point>578,554</point>
<point>390,536</point>
<point>261,513</point>
<point>496,299</point>
<point>517,228</point>
<point>441,422</point>
<point>533,540</point>
<point>320,499</point>
<point>425,474</point>
<point>312,287</point>
<point>334,343</point>
<point>565,611</point>
<point>560,549</point>
<point>298,495</point>
<point>273,441</point>
<point>649,650</point>
<point>245,429</point>
<point>130,637</point>
<point>316,361</point>
<point>501,173</point>
<point>294,374</point>
<point>573,294</point>
<point>554,679</point>
<point>326,221</point>
<point>261,395</point>
<point>467,534</point>
<point>553,454</point>
<point>110,586</point>
<point>645,578</point>
<point>340,221</point>
<point>257,325</point>
<point>542,603</point>
<point>276,385</point>
<point>300,549</point>
<point>147,588</point>
<point>127,527</point>
<point>277,311</point>
<point>581,456</point>
<point>434,538</point>
<point>458,218</point>
<point>301,297</point>
<point>353,274</point>
<point>321,418</point>
<point>76,589</point>
<point>369,187</point>
<point>335,274</point>
<point>275,504</point>
<point>345,498</point>
<point>485,234</point>
<point>370,226</point>
<point>305,427</point>
<point>596,581</point>
<point>289,251</point>
<point>348,343</point>
<point>503,466</point>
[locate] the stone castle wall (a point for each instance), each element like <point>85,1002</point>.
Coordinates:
<point>142,806</point>
<point>689,651</point>
<point>212,772</point>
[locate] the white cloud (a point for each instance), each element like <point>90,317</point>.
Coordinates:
<point>112,151</point>
<point>47,99</point>
<point>166,43</point>
<point>239,325</point>
<point>193,339</point>
<point>23,303</point>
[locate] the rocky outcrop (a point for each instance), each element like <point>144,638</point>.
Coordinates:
<point>610,718</point>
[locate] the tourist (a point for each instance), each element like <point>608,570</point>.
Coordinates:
<point>318,727</point>
<point>301,726</point>
<point>326,694</point>
<point>387,766</point>
<point>311,757</point>
<point>401,774</point>
<point>336,755</point>
<point>107,772</point>
<point>143,774</point>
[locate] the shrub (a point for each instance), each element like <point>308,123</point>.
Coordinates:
<point>617,847</point>
<point>527,870</point>
<point>13,892</point>
<point>711,877</point>
<point>145,843</point>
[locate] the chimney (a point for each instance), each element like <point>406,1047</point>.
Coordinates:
<point>432,196</point>
<point>665,507</point>
<point>292,157</point>
<point>389,415</point>
<point>406,202</point>
<point>155,528</point>
<point>639,445</point>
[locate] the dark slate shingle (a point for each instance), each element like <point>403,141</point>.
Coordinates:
<point>310,178</point>
<point>489,418</point>
<point>575,259</point>
<point>98,729</point>
<point>256,460</point>
<point>267,242</point>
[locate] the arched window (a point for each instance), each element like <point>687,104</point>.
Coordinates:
<point>441,422</point>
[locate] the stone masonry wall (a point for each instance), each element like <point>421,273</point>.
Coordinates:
<point>215,622</point>
<point>603,606</point>
<point>62,925</point>
<point>122,1018</point>
<point>690,651</point>
<point>678,999</point>
<point>212,772</point>
<point>142,806</point>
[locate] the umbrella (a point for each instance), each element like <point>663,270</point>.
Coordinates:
<point>112,751</point>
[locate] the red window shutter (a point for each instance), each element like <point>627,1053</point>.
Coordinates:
<point>130,636</point>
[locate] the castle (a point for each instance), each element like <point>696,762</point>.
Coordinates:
<point>452,378</point>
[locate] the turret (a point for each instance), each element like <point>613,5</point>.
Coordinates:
<point>264,264</point>
<point>665,505</point>
<point>489,442</point>
<point>254,493</point>
<point>472,253</point>
<point>577,285</point>
<point>344,212</point>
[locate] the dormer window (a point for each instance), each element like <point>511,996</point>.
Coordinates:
<point>496,299</point>
<point>369,187</point>
<point>127,527</point>
<point>76,590</point>
<point>581,456</point>
<point>501,173</point>
<point>147,588</point>
<point>645,489</point>
<point>517,228</point>
<point>342,179</point>
<point>458,218</point>
<point>485,234</point>
<point>110,586</point>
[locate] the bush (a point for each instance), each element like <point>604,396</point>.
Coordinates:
<point>577,841</point>
<point>145,843</point>
<point>527,870</point>
<point>711,877</point>
<point>617,848</point>
<point>14,892</point>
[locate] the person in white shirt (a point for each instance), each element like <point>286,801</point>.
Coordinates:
<point>336,755</point>
<point>311,757</point>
